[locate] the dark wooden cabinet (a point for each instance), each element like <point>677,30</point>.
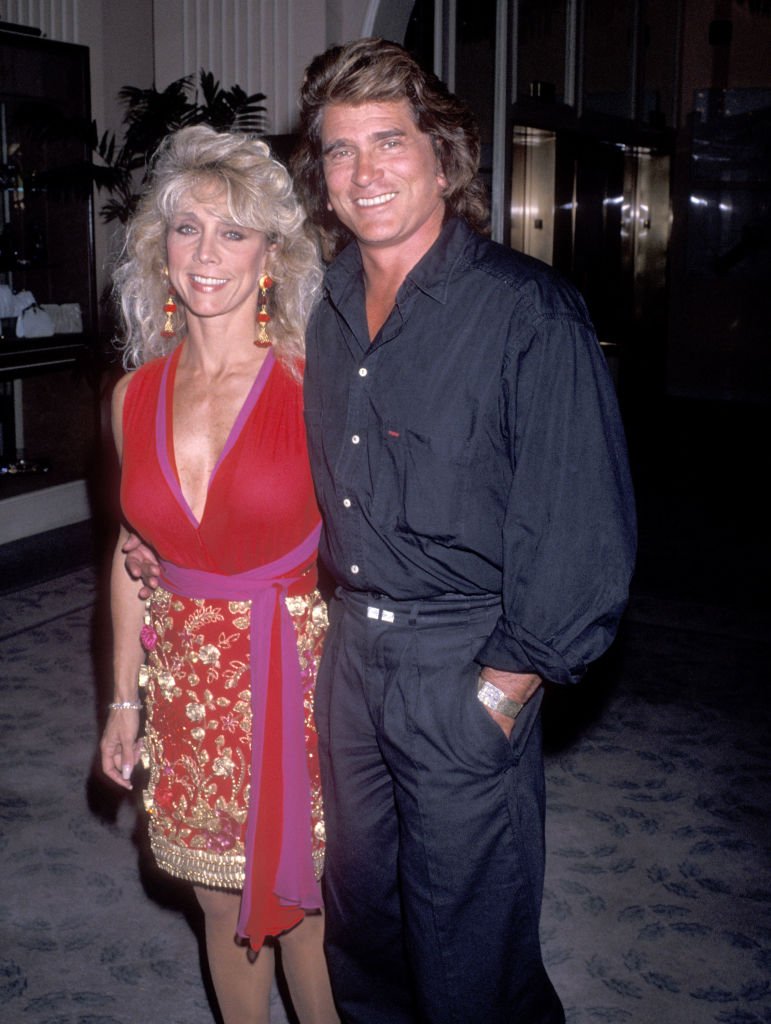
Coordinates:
<point>46,252</point>
<point>46,219</point>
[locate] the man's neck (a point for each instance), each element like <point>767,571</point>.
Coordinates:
<point>386,267</point>
<point>384,274</point>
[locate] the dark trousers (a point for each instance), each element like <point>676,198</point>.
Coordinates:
<point>435,852</point>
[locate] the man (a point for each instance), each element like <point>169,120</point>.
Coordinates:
<point>479,525</point>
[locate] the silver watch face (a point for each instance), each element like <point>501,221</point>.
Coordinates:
<point>495,699</point>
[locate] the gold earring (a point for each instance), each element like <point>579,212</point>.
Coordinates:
<point>263,316</point>
<point>170,308</point>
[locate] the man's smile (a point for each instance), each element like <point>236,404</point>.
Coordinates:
<point>376,200</point>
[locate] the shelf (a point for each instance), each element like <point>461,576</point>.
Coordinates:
<point>18,357</point>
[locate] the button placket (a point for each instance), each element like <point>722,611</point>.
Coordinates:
<point>355,449</point>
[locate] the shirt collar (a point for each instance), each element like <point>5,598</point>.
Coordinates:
<point>432,274</point>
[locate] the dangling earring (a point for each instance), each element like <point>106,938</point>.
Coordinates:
<point>170,308</point>
<point>263,316</point>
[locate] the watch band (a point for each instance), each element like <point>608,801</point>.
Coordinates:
<point>495,699</point>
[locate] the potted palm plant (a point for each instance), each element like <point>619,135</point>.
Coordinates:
<point>122,168</point>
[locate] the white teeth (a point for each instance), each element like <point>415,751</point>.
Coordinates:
<point>208,280</point>
<point>377,201</point>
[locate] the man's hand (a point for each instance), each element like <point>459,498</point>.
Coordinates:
<point>142,563</point>
<point>517,686</point>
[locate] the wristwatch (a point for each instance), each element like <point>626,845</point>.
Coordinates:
<point>495,699</point>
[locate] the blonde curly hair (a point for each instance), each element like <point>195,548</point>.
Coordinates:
<point>258,192</point>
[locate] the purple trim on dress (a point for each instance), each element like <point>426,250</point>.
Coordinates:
<point>246,409</point>
<point>266,586</point>
<point>161,437</point>
<point>162,422</point>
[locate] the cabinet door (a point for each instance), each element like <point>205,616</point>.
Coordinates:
<point>46,236</point>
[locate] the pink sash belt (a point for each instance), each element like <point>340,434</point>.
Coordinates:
<point>266,587</point>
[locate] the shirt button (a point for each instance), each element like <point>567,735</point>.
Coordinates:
<point>355,439</point>
<point>347,502</point>
<point>362,372</point>
<point>354,569</point>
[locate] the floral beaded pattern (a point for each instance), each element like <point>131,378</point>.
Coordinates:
<point>309,614</point>
<point>198,731</point>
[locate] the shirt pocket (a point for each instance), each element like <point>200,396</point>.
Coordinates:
<point>433,483</point>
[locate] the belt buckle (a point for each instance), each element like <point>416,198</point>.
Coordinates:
<point>381,614</point>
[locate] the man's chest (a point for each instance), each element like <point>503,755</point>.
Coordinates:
<point>428,378</point>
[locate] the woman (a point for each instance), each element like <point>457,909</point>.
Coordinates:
<point>218,278</point>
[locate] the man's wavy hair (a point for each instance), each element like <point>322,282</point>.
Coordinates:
<point>378,71</point>
<point>258,193</point>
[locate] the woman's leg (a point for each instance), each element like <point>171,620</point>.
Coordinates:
<point>305,970</point>
<point>242,983</point>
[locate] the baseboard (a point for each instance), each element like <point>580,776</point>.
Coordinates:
<point>24,515</point>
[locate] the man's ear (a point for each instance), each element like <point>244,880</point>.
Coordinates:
<point>441,177</point>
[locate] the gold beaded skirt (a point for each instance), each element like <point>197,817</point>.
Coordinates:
<point>198,731</point>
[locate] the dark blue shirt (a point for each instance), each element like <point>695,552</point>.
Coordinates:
<point>475,447</point>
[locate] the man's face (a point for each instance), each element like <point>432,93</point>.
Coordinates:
<point>383,177</point>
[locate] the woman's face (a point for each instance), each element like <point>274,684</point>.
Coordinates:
<point>214,264</point>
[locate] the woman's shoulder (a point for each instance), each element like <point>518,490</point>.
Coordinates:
<point>121,387</point>
<point>146,374</point>
<point>140,384</point>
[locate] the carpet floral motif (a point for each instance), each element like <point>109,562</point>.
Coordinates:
<point>657,907</point>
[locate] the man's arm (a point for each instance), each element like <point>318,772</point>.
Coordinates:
<point>569,523</point>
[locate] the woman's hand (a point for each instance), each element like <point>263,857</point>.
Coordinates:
<point>120,746</point>
<point>141,563</point>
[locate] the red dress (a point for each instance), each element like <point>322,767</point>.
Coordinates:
<point>229,698</point>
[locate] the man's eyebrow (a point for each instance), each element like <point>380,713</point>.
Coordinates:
<point>334,144</point>
<point>386,133</point>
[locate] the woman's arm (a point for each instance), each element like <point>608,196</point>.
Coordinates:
<point>120,745</point>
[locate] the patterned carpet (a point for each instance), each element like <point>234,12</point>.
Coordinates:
<point>658,893</point>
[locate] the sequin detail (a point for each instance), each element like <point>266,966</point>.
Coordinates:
<point>199,727</point>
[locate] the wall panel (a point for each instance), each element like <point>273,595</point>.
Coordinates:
<point>261,45</point>
<point>58,19</point>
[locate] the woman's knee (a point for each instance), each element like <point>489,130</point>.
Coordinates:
<point>217,904</point>
<point>308,933</point>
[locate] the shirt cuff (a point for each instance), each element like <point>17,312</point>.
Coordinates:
<point>516,650</point>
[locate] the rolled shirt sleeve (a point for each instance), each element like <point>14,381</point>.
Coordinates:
<point>568,529</point>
